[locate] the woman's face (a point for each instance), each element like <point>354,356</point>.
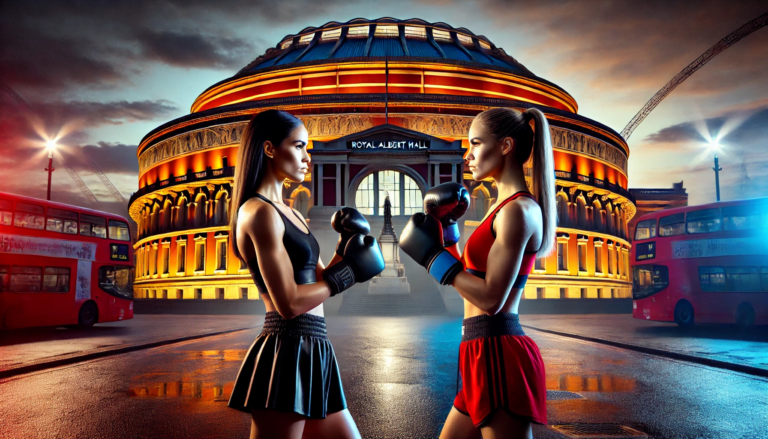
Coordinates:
<point>291,160</point>
<point>485,158</point>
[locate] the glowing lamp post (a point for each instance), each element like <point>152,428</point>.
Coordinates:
<point>51,145</point>
<point>717,170</point>
<point>714,145</point>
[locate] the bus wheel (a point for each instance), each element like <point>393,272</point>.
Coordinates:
<point>684,314</point>
<point>89,314</point>
<point>745,315</point>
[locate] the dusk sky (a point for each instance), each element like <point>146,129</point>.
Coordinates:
<point>106,73</point>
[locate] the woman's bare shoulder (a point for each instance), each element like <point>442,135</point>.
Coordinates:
<point>521,214</point>
<point>256,215</point>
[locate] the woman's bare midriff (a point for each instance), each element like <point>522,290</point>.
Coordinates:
<point>510,305</point>
<point>270,307</point>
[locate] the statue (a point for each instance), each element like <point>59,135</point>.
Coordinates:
<point>392,280</point>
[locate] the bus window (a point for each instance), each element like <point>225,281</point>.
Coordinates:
<point>56,280</point>
<point>739,279</point>
<point>6,212</point>
<point>118,230</point>
<point>645,229</point>
<point>62,221</point>
<point>93,226</point>
<point>117,280</point>
<point>25,279</point>
<point>742,217</point>
<point>30,216</point>
<point>763,278</point>
<point>4,278</point>
<point>649,280</point>
<point>703,221</point>
<point>672,225</point>
<point>712,278</point>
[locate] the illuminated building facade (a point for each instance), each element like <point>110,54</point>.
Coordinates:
<point>387,104</point>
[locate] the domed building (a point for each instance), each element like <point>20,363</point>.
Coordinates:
<point>387,104</point>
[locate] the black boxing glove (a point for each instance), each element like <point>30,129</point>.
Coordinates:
<point>348,222</point>
<point>361,261</point>
<point>422,240</point>
<point>447,202</point>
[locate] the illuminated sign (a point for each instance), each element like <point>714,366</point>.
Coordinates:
<point>118,252</point>
<point>389,144</point>
<point>646,250</point>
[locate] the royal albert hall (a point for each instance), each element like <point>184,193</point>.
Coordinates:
<point>387,104</point>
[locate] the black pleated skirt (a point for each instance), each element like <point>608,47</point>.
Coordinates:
<point>290,367</point>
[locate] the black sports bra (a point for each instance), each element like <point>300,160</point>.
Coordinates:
<point>302,248</point>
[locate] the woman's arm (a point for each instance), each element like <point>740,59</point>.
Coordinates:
<point>262,225</point>
<point>504,259</point>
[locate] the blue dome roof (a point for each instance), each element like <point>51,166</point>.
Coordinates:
<point>389,38</point>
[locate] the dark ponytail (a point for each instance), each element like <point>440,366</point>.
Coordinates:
<point>272,125</point>
<point>535,144</point>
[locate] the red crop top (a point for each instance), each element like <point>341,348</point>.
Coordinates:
<point>475,256</point>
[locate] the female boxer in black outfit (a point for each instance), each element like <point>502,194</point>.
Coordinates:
<point>289,380</point>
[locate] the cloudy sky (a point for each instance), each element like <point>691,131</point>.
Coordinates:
<point>106,73</point>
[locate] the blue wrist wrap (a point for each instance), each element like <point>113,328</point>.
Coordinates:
<point>445,267</point>
<point>451,235</point>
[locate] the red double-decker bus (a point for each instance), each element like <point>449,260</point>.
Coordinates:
<point>703,264</point>
<point>62,264</point>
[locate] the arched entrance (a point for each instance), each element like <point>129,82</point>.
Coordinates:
<point>404,187</point>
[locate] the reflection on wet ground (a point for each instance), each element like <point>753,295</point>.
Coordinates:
<point>590,383</point>
<point>200,384</point>
<point>193,389</point>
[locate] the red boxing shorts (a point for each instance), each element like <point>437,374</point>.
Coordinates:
<point>500,367</point>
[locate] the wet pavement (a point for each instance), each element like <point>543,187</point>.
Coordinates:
<point>726,343</point>
<point>399,375</point>
<point>36,345</point>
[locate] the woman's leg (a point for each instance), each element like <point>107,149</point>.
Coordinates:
<point>335,425</point>
<point>459,426</point>
<point>272,424</point>
<point>504,425</point>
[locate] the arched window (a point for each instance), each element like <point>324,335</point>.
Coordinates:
<point>618,214</point>
<point>562,209</point>
<point>181,214</point>
<point>200,208</point>
<point>404,194</point>
<point>610,224</point>
<point>165,217</point>
<point>597,218</point>
<point>153,219</point>
<point>220,215</point>
<point>581,211</point>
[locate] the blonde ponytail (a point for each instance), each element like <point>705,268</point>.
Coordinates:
<point>543,179</point>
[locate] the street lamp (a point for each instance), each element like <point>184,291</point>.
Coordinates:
<point>50,146</point>
<point>717,170</point>
<point>714,145</point>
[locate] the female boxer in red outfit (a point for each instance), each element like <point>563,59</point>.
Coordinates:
<point>503,385</point>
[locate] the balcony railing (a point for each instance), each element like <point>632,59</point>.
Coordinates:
<point>596,182</point>
<point>188,178</point>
